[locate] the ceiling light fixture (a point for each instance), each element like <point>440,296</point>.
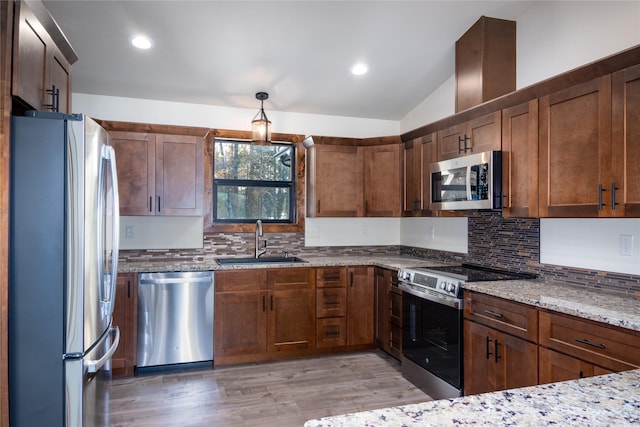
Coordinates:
<point>260,125</point>
<point>359,69</point>
<point>141,42</point>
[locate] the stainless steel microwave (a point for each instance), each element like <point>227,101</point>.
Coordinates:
<point>468,182</point>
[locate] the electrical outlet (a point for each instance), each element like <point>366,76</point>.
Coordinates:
<point>626,245</point>
<point>365,230</point>
<point>128,232</point>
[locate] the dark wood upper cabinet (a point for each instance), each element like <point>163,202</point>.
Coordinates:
<point>625,167</point>
<point>485,62</point>
<point>159,174</point>
<point>382,182</point>
<point>470,137</point>
<point>520,160</point>
<point>575,151</point>
<point>418,156</point>
<point>338,182</point>
<point>350,180</point>
<point>42,58</point>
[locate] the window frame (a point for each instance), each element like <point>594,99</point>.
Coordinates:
<point>299,179</point>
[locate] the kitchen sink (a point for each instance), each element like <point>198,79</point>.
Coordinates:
<point>264,260</point>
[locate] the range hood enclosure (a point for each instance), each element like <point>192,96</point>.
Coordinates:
<point>485,62</point>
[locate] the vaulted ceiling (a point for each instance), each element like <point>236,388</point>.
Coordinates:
<point>300,52</point>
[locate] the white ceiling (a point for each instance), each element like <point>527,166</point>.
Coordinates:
<point>300,52</point>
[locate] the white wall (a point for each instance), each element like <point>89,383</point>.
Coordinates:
<point>552,37</point>
<point>182,114</point>
<point>161,232</point>
<point>590,243</point>
<point>445,234</point>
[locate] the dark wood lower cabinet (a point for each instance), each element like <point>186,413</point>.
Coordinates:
<point>556,366</point>
<point>497,361</point>
<point>388,307</point>
<point>263,313</point>
<point>360,306</point>
<point>124,317</point>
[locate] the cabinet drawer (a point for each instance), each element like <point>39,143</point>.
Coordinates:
<point>331,302</point>
<point>331,277</point>
<point>290,278</point>
<point>511,317</point>
<point>607,346</point>
<point>331,332</point>
<point>240,280</point>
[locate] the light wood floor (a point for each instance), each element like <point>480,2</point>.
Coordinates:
<point>282,393</point>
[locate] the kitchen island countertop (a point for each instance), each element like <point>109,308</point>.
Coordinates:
<point>607,400</point>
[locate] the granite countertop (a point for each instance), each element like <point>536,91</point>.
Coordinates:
<point>607,400</point>
<point>393,262</point>
<point>588,303</point>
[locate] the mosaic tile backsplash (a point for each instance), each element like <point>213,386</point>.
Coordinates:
<point>512,244</point>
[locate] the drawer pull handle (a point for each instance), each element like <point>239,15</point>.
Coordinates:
<point>331,302</point>
<point>494,314</point>
<point>592,344</point>
<point>331,334</point>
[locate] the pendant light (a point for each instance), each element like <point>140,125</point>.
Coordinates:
<point>260,125</point>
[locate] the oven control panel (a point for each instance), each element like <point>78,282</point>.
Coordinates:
<point>441,284</point>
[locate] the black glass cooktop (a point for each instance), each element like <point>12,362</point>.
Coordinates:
<point>476,273</point>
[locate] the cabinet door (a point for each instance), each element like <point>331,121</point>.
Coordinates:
<point>30,64</point>
<point>38,65</point>
<point>291,308</point>
<point>395,320</point>
<point>556,367</point>
<point>418,156</point>
<point>360,306</point>
<point>338,181</point>
<point>575,141</point>
<point>496,361</point>
<point>382,281</point>
<point>135,157</point>
<point>450,142</point>
<point>60,77</point>
<point>240,323</point>
<point>520,160</point>
<point>124,317</point>
<point>412,177</point>
<point>626,149</point>
<point>480,370</point>
<point>517,361</point>
<point>382,182</point>
<point>179,175</point>
<point>484,134</point>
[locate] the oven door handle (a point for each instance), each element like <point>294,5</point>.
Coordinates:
<point>444,300</point>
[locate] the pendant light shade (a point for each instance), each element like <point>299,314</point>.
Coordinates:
<point>261,125</point>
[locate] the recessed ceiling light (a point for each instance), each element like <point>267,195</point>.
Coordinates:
<point>359,69</point>
<point>141,42</point>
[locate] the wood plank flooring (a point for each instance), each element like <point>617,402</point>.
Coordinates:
<point>281,393</point>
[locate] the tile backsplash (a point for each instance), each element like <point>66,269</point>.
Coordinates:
<point>494,241</point>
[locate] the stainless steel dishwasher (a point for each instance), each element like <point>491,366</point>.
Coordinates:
<point>175,318</point>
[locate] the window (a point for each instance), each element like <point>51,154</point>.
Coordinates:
<point>252,182</point>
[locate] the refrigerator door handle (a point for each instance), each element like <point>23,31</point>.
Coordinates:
<point>108,153</point>
<point>94,366</point>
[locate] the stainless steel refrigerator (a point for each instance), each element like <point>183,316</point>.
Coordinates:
<point>62,271</point>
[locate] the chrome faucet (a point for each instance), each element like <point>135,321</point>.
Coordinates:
<point>258,235</point>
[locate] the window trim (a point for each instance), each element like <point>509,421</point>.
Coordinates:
<point>299,179</point>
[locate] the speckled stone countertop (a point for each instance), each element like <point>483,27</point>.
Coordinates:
<point>393,262</point>
<point>607,400</point>
<point>595,304</point>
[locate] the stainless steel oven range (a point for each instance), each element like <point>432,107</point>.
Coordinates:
<point>432,306</point>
